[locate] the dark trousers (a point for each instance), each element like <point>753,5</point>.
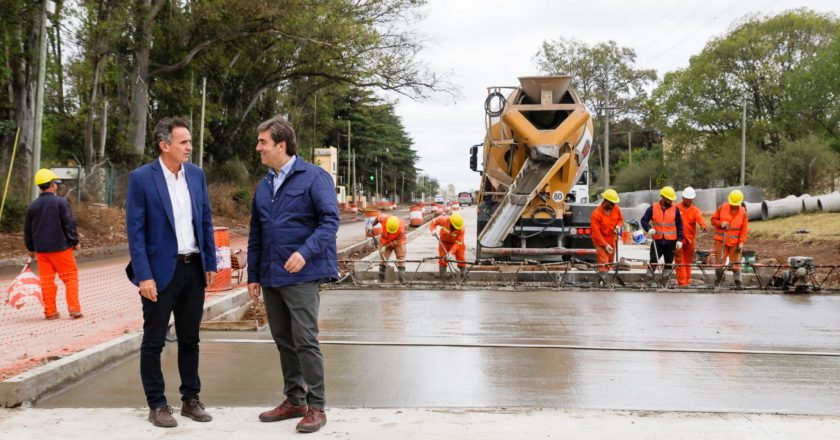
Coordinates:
<point>666,249</point>
<point>293,319</point>
<point>185,297</point>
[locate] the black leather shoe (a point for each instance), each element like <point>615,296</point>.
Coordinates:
<point>162,417</point>
<point>194,409</point>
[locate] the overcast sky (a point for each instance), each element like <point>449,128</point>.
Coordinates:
<point>485,43</point>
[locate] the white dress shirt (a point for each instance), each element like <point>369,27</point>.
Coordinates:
<point>179,194</point>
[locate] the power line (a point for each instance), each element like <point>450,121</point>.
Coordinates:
<point>659,20</point>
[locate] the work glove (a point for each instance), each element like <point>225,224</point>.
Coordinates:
<point>651,232</point>
<point>724,225</point>
<point>609,249</point>
<point>618,229</point>
<point>679,245</point>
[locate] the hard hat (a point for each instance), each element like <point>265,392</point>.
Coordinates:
<point>457,221</point>
<point>669,193</point>
<point>689,193</point>
<point>392,225</point>
<point>736,197</point>
<point>45,175</point>
<point>610,195</point>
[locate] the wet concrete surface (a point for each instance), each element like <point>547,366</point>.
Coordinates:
<point>589,350</point>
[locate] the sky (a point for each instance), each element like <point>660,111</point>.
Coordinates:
<point>482,43</point>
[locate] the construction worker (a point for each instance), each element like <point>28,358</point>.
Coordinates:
<point>392,239</point>
<point>691,217</point>
<point>663,223</point>
<point>730,222</point>
<point>50,236</point>
<point>451,241</point>
<point>606,223</point>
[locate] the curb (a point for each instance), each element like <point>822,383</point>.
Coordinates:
<point>29,386</point>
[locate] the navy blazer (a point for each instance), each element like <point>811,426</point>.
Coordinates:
<point>302,216</point>
<point>150,224</point>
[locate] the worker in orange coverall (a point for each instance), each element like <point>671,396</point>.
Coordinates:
<point>606,223</point>
<point>451,241</point>
<point>730,222</point>
<point>691,217</point>
<point>392,239</point>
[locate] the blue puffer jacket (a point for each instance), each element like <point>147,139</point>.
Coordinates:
<point>302,216</point>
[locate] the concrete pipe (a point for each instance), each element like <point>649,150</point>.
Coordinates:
<point>829,202</point>
<point>753,211</point>
<point>790,205</point>
<point>753,194</point>
<point>626,199</point>
<point>810,203</point>
<point>705,201</point>
<point>635,213</point>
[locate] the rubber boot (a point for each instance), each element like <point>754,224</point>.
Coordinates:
<point>737,277</point>
<point>718,276</point>
<point>649,278</point>
<point>401,274</point>
<point>442,273</point>
<point>463,271</point>
<point>382,273</point>
<point>666,276</point>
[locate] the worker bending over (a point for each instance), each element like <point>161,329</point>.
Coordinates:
<point>450,241</point>
<point>392,239</point>
<point>691,217</point>
<point>730,222</point>
<point>663,223</point>
<point>606,223</point>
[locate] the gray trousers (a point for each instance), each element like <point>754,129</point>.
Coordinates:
<point>293,319</point>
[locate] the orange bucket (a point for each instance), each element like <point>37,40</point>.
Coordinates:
<point>222,282</point>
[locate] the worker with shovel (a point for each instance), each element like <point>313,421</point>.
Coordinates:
<point>450,242</point>
<point>730,222</point>
<point>606,223</point>
<point>663,223</point>
<point>392,239</point>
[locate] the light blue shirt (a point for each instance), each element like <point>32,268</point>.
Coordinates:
<point>276,180</point>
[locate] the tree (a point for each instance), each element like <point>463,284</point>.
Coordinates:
<point>603,74</point>
<point>757,63</point>
<point>804,166</point>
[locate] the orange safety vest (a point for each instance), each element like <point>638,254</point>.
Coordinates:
<point>736,222</point>
<point>387,237</point>
<point>664,222</point>
<point>447,235</point>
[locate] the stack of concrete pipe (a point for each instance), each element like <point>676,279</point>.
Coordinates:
<point>754,210</point>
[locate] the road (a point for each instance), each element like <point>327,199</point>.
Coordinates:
<point>489,349</point>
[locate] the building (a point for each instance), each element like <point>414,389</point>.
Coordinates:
<point>327,158</point>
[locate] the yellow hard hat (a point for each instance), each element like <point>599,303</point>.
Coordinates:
<point>392,225</point>
<point>669,193</point>
<point>610,195</point>
<point>457,221</point>
<point>736,197</point>
<point>45,175</point>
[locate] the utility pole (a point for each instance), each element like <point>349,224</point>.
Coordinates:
<point>402,189</point>
<point>201,128</point>
<point>39,101</point>
<point>349,154</point>
<point>607,138</point>
<point>355,189</point>
<point>103,130</point>
<point>629,148</point>
<point>743,141</point>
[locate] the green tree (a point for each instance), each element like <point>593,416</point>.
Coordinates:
<point>804,166</point>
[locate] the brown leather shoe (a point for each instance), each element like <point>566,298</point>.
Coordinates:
<point>162,417</point>
<point>76,315</point>
<point>313,421</point>
<point>285,411</point>
<point>194,409</point>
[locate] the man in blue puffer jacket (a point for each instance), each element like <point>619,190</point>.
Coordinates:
<point>291,250</point>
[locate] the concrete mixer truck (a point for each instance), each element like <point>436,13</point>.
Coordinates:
<point>535,151</point>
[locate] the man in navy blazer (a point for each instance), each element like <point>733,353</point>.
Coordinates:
<point>173,257</point>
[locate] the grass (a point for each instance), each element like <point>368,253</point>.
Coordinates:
<point>820,227</point>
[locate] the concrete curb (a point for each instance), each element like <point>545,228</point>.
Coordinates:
<point>31,385</point>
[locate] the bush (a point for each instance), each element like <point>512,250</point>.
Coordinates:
<point>232,171</point>
<point>242,196</point>
<point>804,166</point>
<point>14,214</point>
